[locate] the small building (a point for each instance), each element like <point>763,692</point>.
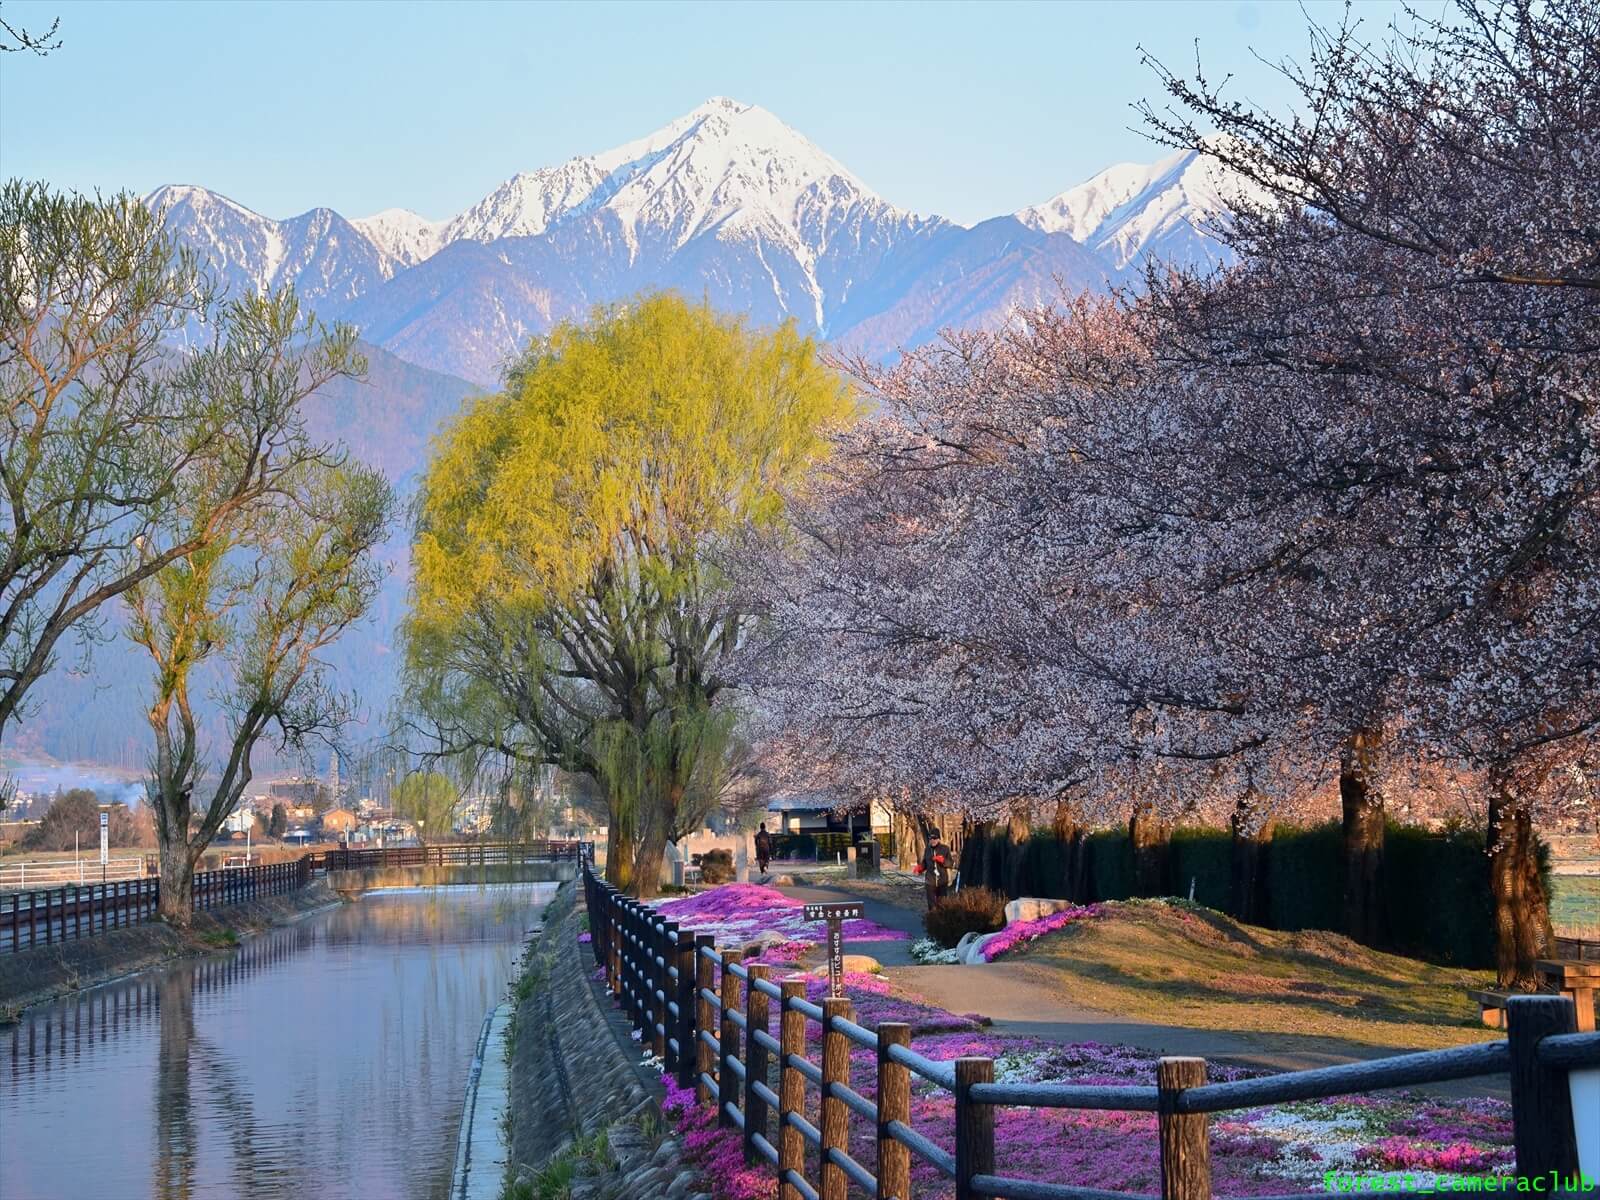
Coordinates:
<point>823,812</point>
<point>338,822</point>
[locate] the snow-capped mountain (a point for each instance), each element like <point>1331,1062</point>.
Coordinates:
<point>727,202</point>
<point>1134,211</point>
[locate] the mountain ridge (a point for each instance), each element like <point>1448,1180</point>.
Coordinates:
<point>726,202</point>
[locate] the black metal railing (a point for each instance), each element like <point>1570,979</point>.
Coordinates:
<point>44,916</point>
<point>696,1006</point>
<point>48,915</point>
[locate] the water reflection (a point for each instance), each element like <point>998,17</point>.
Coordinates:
<point>321,1061</point>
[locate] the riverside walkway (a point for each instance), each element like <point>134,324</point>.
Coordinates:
<point>1019,997</point>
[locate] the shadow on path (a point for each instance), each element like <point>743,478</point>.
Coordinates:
<point>1020,998</point>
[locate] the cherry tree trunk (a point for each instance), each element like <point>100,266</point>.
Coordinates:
<point>1150,844</point>
<point>1522,930</point>
<point>176,904</point>
<point>1064,827</point>
<point>1247,892</point>
<point>1361,800</point>
<point>1018,833</point>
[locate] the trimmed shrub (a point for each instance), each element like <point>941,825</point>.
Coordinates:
<point>1204,856</point>
<point>1047,866</point>
<point>971,910</point>
<point>1305,877</point>
<point>994,861</point>
<point>1110,864</point>
<point>716,866</point>
<point>970,864</point>
<point>794,845</point>
<point>1437,903</point>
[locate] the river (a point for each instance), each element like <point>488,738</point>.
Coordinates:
<point>324,1060</point>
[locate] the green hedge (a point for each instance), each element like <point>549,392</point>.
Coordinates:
<point>1437,903</point>
<point>1435,886</point>
<point>822,845</point>
<point>1047,866</point>
<point>1205,857</point>
<point>1110,864</point>
<point>1305,877</point>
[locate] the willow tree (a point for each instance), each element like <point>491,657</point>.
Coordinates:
<point>566,607</point>
<point>251,614</point>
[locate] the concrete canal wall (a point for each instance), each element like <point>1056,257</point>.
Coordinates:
<point>41,973</point>
<point>576,1074</point>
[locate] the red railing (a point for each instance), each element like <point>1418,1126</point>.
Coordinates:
<point>696,1006</point>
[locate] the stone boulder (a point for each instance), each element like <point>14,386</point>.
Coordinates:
<point>969,949</point>
<point>859,964</point>
<point>1031,908</point>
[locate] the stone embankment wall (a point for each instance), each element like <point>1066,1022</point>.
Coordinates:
<point>41,973</point>
<point>576,1074</point>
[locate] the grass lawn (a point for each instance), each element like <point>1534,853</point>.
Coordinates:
<point>1198,968</point>
<point>1575,905</point>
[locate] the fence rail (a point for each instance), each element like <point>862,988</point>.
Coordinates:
<point>82,870</point>
<point>696,1006</point>
<point>44,916</point>
<point>457,854</point>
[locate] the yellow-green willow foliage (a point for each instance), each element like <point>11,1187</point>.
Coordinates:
<point>622,443</point>
<point>561,548</point>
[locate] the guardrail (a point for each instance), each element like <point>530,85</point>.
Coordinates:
<point>83,870</point>
<point>695,1006</point>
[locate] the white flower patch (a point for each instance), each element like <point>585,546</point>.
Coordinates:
<point>926,950</point>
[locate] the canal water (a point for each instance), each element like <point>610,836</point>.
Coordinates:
<point>320,1061</point>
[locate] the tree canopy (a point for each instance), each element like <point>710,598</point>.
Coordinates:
<point>567,606</point>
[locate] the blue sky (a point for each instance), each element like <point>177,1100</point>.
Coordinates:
<point>966,110</point>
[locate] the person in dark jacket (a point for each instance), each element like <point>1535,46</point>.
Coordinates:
<point>935,867</point>
<point>763,848</point>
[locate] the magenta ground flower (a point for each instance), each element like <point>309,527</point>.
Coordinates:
<point>1019,933</point>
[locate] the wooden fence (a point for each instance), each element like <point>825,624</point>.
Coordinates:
<point>707,1016</point>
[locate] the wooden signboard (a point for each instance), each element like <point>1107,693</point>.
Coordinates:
<point>835,915</point>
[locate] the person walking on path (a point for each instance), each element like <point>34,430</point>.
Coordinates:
<point>935,867</point>
<point>763,848</point>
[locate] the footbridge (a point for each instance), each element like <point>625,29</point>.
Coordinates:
<point>351,872</point>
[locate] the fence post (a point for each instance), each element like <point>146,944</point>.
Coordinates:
<point>727,1079</point>
<point>656,981</point>
<point>1541,1105</point>
<point>613,944</point>
<point>688,1006</point>
<point>974,1126</point>
<point>835,1116</point>
<point>791,1088</point>
<point>894,1104</point>
<point>755,1060</point>
<point>1185,1147</point>
<point>705,985</point>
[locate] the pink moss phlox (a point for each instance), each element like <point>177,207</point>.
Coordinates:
<point>717,1152</point>
<point>1407,1154</point>
<point>1019,933</point>
<point>744,911</point>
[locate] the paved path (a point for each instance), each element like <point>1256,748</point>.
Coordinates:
<point>1022,998</point>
